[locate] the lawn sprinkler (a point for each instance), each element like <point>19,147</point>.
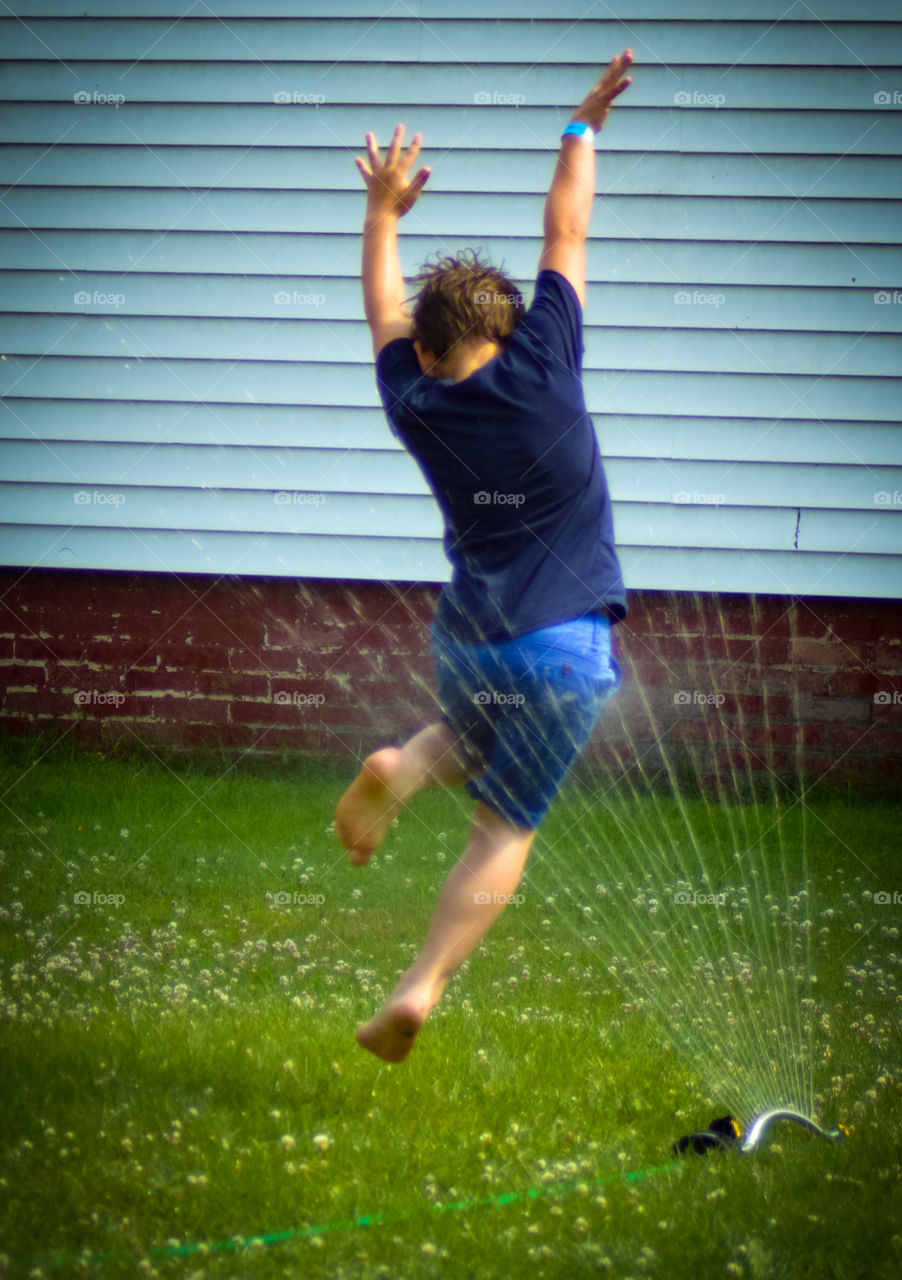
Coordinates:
<point>726,1133</point>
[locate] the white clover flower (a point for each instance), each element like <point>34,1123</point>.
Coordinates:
<point>322,1141</point>
<point>287,1142</point>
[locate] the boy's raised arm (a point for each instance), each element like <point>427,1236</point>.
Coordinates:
<point>390,193</point>
<point>569,202</point>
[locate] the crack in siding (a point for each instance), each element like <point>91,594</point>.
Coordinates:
<point>795,541</point>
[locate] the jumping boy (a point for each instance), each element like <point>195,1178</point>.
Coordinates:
<point>488,399</point>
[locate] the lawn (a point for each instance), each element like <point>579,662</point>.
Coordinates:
<point>186,953</point>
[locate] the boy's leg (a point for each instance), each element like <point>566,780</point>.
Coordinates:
<point>390,777</point>
<point>473,896</point>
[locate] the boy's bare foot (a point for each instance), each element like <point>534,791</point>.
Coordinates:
<point>368,807</point>
<point>393,1032</point>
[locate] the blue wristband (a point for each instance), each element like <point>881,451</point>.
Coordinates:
<point>579,130</point>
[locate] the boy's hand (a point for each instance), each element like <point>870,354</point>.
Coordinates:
<point>388,187</point>
<point>597,103</point>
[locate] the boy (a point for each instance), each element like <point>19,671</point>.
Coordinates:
<point>488,399</point>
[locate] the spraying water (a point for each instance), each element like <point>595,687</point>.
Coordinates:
<point>672,867</point>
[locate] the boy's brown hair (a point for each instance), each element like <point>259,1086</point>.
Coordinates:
<point>460,299</point>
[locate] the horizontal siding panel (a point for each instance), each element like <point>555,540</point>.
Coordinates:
<point>357,514</point>
<point>265,168</point>
<point>776,572</point>
<point>633,436</point>
<point>622,391</point>
<point>273,555</point>
<point>703,349</point>
<point>522,95</point>
<point>402,40</point>
<point>629,217</point>
<point>820,398</point>
<point>784,309</point>
<point>411,560</point>
<point>681,483</point>
<point>627,10</point>
<point>298,511</point>
<point>679,262</point>
<point>642,131</point>
<point>197,467</point>
<point>876,532</point>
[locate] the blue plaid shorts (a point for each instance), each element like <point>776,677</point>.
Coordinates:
<point>526,707</point>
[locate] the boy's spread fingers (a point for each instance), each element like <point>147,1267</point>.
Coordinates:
<point>395,144</point>
<point>413,150</point>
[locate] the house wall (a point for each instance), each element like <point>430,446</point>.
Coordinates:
<point>187,378</point>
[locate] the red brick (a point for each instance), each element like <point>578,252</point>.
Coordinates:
<point>832,653</point>
<point>21,673</point>
<point>856,683</point>
<point>205,657</point>
<point>814,622</point>
<point>242,685</point>
<point>854,710</point>
<point>814,735</point>
<point>772,707</point>
<point>52,702</point>
<point>762,736</point>
<point>30,648</point>
<point>232,630</point>
<point>699,731</point>
<point>159,680</point>
<point>817,764</point>
<point>350,716</point>
<point>184,710</point>
<point>118,653</point>
<point>843,736</point>
<point>314,741</point>
<point>218,735</point>
<point>884,739</point>
<point>16,725</point>
<point>273,713</point>
<point>887,656</point>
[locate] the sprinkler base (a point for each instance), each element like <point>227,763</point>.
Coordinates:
<point>726,1133</point>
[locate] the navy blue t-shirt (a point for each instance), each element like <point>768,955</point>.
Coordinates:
<point>511,455</point>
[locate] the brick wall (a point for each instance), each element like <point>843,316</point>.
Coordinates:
<point>722,690</point>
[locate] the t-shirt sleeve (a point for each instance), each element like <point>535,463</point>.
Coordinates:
<point>554,322</point>
<point>397,373</point>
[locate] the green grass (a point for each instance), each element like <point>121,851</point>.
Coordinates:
<point>179,1066</point>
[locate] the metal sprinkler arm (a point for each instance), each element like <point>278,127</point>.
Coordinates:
<point>761,1124</point>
